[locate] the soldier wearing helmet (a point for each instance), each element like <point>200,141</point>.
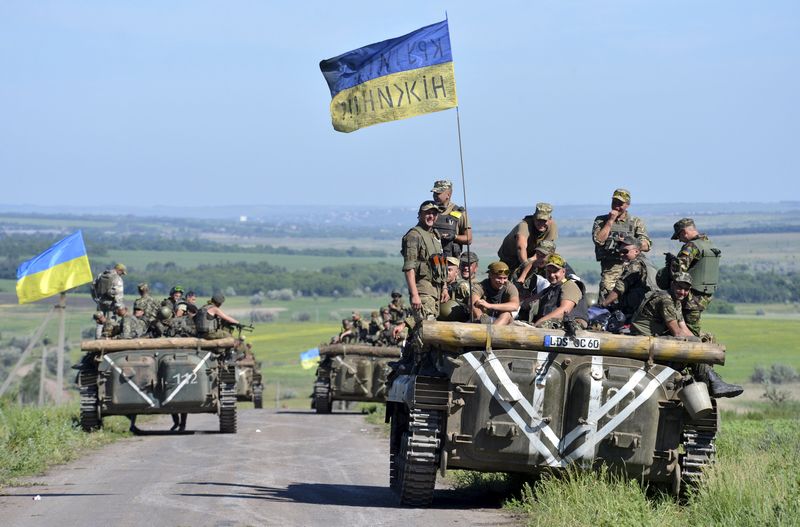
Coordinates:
<point>162,325</point>
<point>108,292</point>
<point>210,318</point>
<point>495,299</point>
<point>608,231</point>
<point>452,223</point>
<point>174,298</point>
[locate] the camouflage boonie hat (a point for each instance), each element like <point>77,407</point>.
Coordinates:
<point>555,260</point>
<point>468,257</point>
<point>499,268</point>
<point>442,185</point>
<point>544,211</point>
<point>121,267</point>
<point>683,277</point>
<point>428,205</point>
<point>546,247</point>
<point>622,194</point>
<point>452,260</point>
<point>680,225</point>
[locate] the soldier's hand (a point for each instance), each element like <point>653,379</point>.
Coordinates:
<point>445,295</point>
<point>416,302</point>
<point>613,215</point>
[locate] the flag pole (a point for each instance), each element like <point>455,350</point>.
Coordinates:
<point>466,209</point>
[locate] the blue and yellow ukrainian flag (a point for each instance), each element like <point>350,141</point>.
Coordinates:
<point>308,359</point>
<point>394,79</point>
<point>63,266</point>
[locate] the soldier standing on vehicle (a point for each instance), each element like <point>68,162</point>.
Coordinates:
<point>495,299</point>
<point>637,279</point>
<point>424,265</point>
<point>521,242</point>
<point>210,318</point>
<point>700,258</point>
<point>146,303</point>
<point>564,297</point>
<point>608,231</point>
<point>107,292</point>
<point>452,223</point>
<point>662,314</point>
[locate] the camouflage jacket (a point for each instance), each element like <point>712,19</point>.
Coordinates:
<point>462,290</point>
<point>132,327</point>
<point>149,305</point>
<point>686,257</point>
<point>652,318</point>
<point>626,222</point>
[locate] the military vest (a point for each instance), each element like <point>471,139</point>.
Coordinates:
<point>205,323</point>
<point>609,248</point>
<point>551,299</point>
<point>705,271</point>
<point>447,227</point>
<point>433,266</point>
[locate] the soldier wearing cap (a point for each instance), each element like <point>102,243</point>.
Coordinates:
<point>637,279</point>
<point>424,266</point>
<point>452,223</point>
<point>608,232</point>
<point>468,265</point>
<point>397,308</point>
<point>519,244</point>
<point>662,314</point>
<point>209,318</point>
<point>130,326</point>
<point>700,258</point>
<point>564,297</point>
<point>495,297</point>
<point>536,263</point>
<point>146,303</point>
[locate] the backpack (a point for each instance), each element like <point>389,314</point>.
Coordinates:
<point>102,285</point>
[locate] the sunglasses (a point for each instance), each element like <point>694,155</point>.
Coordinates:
<point>624,251</point>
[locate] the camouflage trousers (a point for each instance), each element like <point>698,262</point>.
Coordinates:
<point>429,309</point>
<point>216,335</point>
<point>693,308</point>
<point>610,272</point>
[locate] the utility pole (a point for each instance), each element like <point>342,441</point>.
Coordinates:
<point>42,375</point>
<point>62,308</point>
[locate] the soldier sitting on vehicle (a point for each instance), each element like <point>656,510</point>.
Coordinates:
<point>108,328</point>
<point>661,313</point>
<point>161,326</point>
<point>495,299</point>
<point>637,279</point>
<point>563,298</point>
<point>146,303</point>
<point>130,326</point>
<point>210,319</point>
<point>175,295</point>
<point>396,307</point>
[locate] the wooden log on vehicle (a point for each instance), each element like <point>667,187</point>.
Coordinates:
<point>104,345</point>
<point>454,336</point>
<point>360,349</point>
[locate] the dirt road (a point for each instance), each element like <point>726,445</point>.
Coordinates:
<point>300,469</point>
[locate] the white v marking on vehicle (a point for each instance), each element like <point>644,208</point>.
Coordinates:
<point>128,381</point>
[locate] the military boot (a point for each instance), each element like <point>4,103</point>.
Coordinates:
<point>720,388</point>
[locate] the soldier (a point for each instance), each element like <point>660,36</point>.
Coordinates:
<point>396,307</point>
<point>162,325</point>
<point>495,299</point>
<point>452,223</point>
<point>191,298</point>
<point>662,314</point>
<point>637,279</point>
<point>209,319</point>
<point>386,336</point>
<point>107,291</point>
<point>182,326</point>
<point>130,326</point>
<point>521,242</point>
<point>108,328</point>
<point>359,326</point>
<point>452,275</point>
<point>349,334</point>
<point>424,266</point>
<point>374,327</point>
<point>565,296</point>
<point>174,298</point>
<point>700,258</point>
<point>146,303</point>
<point>607,233</point>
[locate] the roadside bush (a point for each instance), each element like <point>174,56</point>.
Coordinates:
<point>776,374</point>
<point>721,307</point>
<point>302,317</point>
<point>261,315</point>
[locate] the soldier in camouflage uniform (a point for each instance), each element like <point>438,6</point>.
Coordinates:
<point>108,328</point>
<point>452,275</point>
<point>495,299</point>
<point>468,265</point>
<point>397,308</point>
<point>146,303</point>
<point>519,244</point>
<point>174,298</point>
<point>700,258</point>
<point>211,322</point>
<point>452,223</point>
<point>637,279</point>
<point>130,327</point>
<point>607,233</point>
<point>113,296</point>
<point>662,314</point>
<point>162,325</point>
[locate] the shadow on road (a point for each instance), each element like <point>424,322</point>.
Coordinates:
<point>315,414</point>
<point>344,495</point>
<point>55,494</point>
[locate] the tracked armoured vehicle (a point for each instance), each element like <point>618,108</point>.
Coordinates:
<point>526,400</point>
<point>249,386</point>
<point>157,376</point>
<point>352,372</point>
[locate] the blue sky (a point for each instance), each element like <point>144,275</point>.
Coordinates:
<point>204,103</point>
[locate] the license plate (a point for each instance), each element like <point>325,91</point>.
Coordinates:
<point>575,343</point>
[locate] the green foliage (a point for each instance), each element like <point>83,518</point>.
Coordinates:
<point>721,307</point>
<point>776,374</point>
<point>33,438</point>
<point>739,284</point>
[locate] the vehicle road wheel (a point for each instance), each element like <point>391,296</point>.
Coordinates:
<point>90,413</point>
<point>258,396</point>
<point>227,402</point>
<point>323,402</point>
<point>417,458</point>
